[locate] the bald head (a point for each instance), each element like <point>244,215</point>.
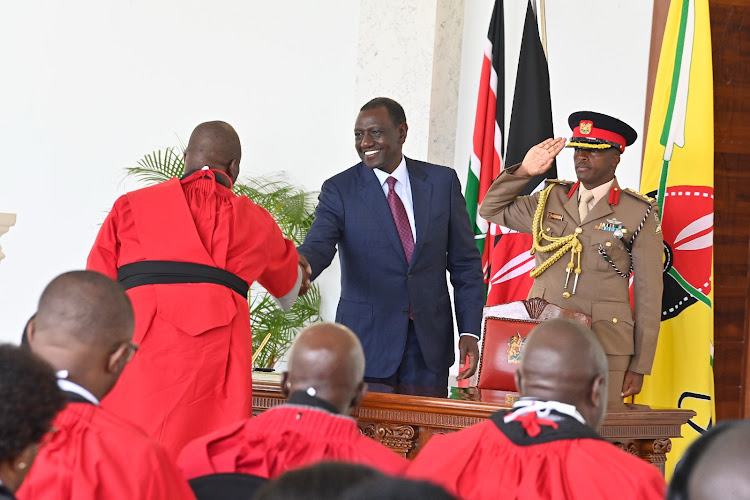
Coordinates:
<point>564,361</point>
<point>328,358</point>
<point>715,466</point>
<point>214,144</point>
<point>83,307</point>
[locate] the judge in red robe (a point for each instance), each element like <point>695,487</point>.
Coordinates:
<point>525,456</point>
<point>84,328</point>
<point>323,384</point>
<point>187,251</point>
<point>94,454</point>
<point>547,446</point>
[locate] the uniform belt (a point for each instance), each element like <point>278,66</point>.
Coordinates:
<point>159,272</point>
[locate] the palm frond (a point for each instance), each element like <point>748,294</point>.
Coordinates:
<point>158,166</point>
<point>266,318</point>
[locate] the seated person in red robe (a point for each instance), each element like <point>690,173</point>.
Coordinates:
<point>715,465</point>
<point>187,251</point>
<point>546,446</point>
<point>29,400</point>
<point>84,329</point>
<point>324,382</point>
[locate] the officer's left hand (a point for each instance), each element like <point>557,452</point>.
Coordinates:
<point>632,384</point>
<point>467,345</point>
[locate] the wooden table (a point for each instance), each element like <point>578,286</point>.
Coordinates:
<point>405,423</point>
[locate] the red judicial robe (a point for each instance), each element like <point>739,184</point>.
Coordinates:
<point>531,459</point>
<point>192,373</point>
<point>287,437</point>
<point>96,455</point>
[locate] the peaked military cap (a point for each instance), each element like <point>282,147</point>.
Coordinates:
<point>593,130</point>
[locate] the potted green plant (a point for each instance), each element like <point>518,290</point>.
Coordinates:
<point>293,209</point>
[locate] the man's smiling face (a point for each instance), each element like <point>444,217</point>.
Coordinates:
<point>378,140</point>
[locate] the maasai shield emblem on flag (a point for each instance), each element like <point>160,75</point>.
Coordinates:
<point>505,253</point>
<point>678,172</point>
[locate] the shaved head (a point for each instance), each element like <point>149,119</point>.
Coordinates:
<point>214,144</point>
<point>564,361</point>
<point>327,357</point>
<point>84,325</point>
<point>85,307</point>
<point>715,466</point>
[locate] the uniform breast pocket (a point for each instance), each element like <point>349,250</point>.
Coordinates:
<point>611,251</point>
<point>551,226</point>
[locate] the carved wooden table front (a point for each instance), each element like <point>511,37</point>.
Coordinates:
<point>405,423</point>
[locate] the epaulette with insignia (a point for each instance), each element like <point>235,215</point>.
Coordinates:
<point>640,196</point>
<point>558,181</point>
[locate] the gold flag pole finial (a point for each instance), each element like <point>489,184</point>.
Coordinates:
<point>260,347</point>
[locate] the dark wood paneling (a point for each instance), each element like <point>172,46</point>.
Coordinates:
<point>731,305</point>
<point>731,60</point>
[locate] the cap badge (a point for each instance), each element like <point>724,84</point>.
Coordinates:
<point>585,127</point>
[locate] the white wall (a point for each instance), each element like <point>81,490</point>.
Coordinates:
<point>89,87</point>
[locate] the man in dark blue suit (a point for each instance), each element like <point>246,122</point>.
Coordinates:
<point>399,224</point>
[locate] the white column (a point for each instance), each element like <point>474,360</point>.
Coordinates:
<point>410,51</point>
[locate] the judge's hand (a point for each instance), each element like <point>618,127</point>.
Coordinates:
<point>632,384</point>
<point>306,272</point>
<point>540,157</point>
<point>467,345</point>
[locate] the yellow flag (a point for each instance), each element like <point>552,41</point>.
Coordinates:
<point>678,171</point>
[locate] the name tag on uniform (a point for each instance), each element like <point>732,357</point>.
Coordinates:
<point>554,216</point>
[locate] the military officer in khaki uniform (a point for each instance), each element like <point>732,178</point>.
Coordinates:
<point>589,238</point>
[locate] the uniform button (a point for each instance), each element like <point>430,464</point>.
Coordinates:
<point>566,295</point>
<point>614,320</point>
<point>549,229</point>
<point>406,309</point>
<point>579,230</point>
<point>609,244</point>
<point>408,276</point>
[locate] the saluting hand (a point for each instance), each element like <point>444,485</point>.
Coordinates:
<point>540,157</point>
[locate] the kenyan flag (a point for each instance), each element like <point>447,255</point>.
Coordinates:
<point>506,260</point>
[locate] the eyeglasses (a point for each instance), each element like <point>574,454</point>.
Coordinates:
<point>47,436</point>
<point>132,348</point>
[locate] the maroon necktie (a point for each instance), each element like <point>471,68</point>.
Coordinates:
<point>401,219</point>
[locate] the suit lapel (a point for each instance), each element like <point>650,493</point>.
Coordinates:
<point>372,194</point>
<point>421,194</point>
